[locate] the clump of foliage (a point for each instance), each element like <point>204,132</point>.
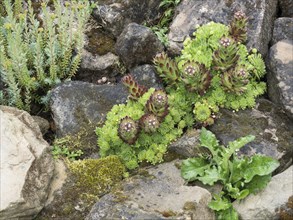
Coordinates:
<point>216,68</point>
<point>97,176</point>
<point>37,52</point>
<point>161,28</point>
<point>240,176</point>
<point>142,129</point>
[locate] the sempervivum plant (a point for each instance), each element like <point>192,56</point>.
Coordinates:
<point>167,68</point>
<point>134,88</point>
<point>158,104</point>
<point>128,130</point>
<point>196,77</point>
<point>238,27</point>
<point>149,123</point>
<point>235,80</point>
<point>226,56</point>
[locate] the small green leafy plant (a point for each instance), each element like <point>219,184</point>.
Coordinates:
<point>240,176</point>
<point>38,52</point>
<point>161,29</point>
<point>62,148</point>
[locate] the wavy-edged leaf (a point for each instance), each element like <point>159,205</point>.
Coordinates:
<point>228,214</point>
<point>219,203</point>
<point>258,183</point>
<point>259,165</point>
<point>211,176</point>
<point>192,168</point>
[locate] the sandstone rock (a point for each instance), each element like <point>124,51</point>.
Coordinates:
<point>114,16</point>
<point>263,205</point>
<point>286,8</point>
<point>191,13</point>
<point>79,104</point>
<point>156,193</point>
<point>137,44</point>
<point>26,165</point>
<point>268,123</point>
<point>283,30</point>
<point>280,75</point>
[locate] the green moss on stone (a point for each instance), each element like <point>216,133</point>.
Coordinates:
<point>97,176</point>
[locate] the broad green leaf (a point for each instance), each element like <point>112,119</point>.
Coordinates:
<point>258,183</point>
<point>237,144</point>
<point>211,176</point>
<point>209,140</point>
<point>219,203</point>
<point>193,167</point>
<point>237,169</point>
<point>228,214</point>
<point>259,165</point>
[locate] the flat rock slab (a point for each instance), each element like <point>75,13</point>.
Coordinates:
<point>26,165</point>
<point>155,193</point>
<point>197,12</point>
<point>77,104</point>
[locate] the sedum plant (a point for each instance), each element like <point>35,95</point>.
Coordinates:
<point>240,176</point>
<point>38,51</point>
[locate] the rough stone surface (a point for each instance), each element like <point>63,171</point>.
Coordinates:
<point>283,30</point>
<point>272,128</point>
<point>280,75</point>
<point>26,165</point>
<point>137,44</point>
<point>115,15</point>
<point>286,8</point>
<point>44,125</point>
<point>78,104</point>
<point>188,145</point>
<point>146,75</point>
<point>191,13</point>
<point>263,205</point>
<point>94,67</point>
<point>156,193</point>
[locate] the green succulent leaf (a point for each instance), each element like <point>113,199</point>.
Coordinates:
<point>193,168</point>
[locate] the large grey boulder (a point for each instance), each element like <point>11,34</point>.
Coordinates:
<point>197,12</point>
<point>283,30</point>
<point>137,44</point>
<point>280,75</point>
<point>272,128</point>
<point>79,104</point>
<point>263,205</point>
<point>114,16</point>
<point>156,193</point>
<point>26,165</point>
